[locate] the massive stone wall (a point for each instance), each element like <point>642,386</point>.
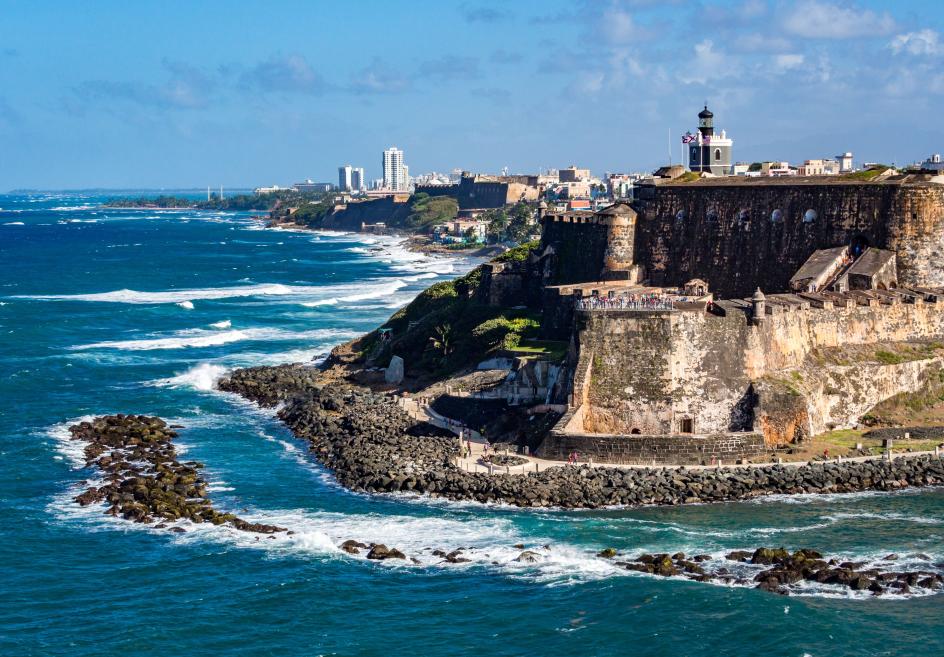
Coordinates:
<point>650,371</point>
<point>739,235</point>
<point>787,336</point>
<point>669,373</point>
<point>578,248</point>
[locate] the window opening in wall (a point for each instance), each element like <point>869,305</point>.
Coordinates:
<point>686,425</point>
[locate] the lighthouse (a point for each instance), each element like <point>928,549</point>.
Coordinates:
<point>707,151</point>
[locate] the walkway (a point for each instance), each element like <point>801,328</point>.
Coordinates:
<point>474,462</point>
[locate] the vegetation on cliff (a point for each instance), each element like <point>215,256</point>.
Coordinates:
<point>259,202</point>
<point>427,211</point>
<point>448,327</point>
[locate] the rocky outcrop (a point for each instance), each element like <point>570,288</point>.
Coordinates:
<point>787,573</point>
<point>372,445</point>
<point>144,481</point>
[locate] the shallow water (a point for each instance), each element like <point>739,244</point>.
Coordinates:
<point>107,311</point>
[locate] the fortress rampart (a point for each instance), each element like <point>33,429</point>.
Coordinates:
<point>740,234</point>
<point>692,385</point>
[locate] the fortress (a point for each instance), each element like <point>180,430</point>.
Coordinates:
<point>721,318</point>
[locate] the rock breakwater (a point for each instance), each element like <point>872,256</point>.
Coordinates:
<point>143,480</point>
<point>372,445</point>
<point>778,571</point>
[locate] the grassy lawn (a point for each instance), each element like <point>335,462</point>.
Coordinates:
<point>843,441</point>
<point>554,350</point>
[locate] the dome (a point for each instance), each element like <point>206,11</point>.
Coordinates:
<point>758,295</point>
<point>542,205</point>
<point>705,113</point>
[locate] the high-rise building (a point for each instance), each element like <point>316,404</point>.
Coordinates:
<point>358,182</point>
<point>393,169</point>
<point>344,177</point>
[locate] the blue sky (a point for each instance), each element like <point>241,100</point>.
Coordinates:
<point>119,94</point>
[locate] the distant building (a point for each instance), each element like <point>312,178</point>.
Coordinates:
<point>358,181</point>
<point>845,162</point>
<point>933,163</point>
<point>394,175</point>
<point>309,186</point>
<point>777,169</point>
<point>572,174</point>
<point>344,177</point>
<point>819,168</point>
<point>620,185</point>
<point>269,190</point>
<point>708,152</point>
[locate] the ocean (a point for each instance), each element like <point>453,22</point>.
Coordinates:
<point>140,311</point>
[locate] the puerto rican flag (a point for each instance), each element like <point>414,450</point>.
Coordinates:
<point>688,138</point>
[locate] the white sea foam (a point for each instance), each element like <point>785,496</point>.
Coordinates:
<point>202,377</point>
<point>186,305</point>
<point>303,293</point>
<point>14,223</point>
<point>375,292</point>
<point>72,451</point>
<point>225,324</point>
<point>197,338</point>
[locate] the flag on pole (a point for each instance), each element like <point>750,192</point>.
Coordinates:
<point>688,138</point>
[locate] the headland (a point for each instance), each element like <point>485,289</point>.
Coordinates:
<point>606,342</point>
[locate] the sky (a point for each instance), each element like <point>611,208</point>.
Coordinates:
<point>185,94</point>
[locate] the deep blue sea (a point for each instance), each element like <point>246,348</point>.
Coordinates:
<point>138,311</point>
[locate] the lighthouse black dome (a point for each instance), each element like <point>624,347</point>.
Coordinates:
<point>705,113</point>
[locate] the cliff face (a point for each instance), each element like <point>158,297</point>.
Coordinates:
<point>384,210</point>
<point>740,236</point>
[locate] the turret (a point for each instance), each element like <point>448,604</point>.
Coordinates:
<point>758,307</point>
<point>706,122</point>
<point>542,209</point>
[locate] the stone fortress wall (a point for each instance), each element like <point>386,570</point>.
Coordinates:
<point>740,234</point>
<point>686,386</point>
<point>680,385</point>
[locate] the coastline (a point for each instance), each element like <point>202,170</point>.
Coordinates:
<point>372,445</point>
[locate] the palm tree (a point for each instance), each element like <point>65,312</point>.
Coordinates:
<point>442,340</point>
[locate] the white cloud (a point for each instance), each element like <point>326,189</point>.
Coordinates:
<point>618,26</point>
<point>815,19</point>
<point>707,64</point>
<point>788,61</point>
<point>922,42</point>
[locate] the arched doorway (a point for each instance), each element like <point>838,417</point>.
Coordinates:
<point>858,245</point>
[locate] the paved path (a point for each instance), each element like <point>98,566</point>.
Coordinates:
<point>474,463</point>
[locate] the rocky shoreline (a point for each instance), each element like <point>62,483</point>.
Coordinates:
<point>372,445</point>
<point>143,480</point>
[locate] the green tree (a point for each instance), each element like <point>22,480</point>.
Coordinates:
<point>442,339</point>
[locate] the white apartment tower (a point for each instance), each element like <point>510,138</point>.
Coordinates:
<point>358,182</point>
<point>393,178</point>
<point>345,174</point>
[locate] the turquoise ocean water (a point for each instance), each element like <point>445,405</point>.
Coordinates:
<point>105,311</point>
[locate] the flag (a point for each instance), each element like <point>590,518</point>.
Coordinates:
<point>688,138</point>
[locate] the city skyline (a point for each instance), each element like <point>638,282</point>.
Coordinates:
<point>607,85</point>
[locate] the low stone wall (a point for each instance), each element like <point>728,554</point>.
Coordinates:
<point>680,449</point>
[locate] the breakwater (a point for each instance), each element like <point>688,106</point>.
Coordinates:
<point>143,480</point>
<point>372,445</point>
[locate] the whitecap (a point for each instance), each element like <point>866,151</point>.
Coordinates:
<point>14,223</point>
<point>202,377</point>
<point>225,324</point>
<point>186,305</point>
<point>196,338</point>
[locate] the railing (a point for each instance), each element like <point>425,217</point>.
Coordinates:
<point>631,302</point>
